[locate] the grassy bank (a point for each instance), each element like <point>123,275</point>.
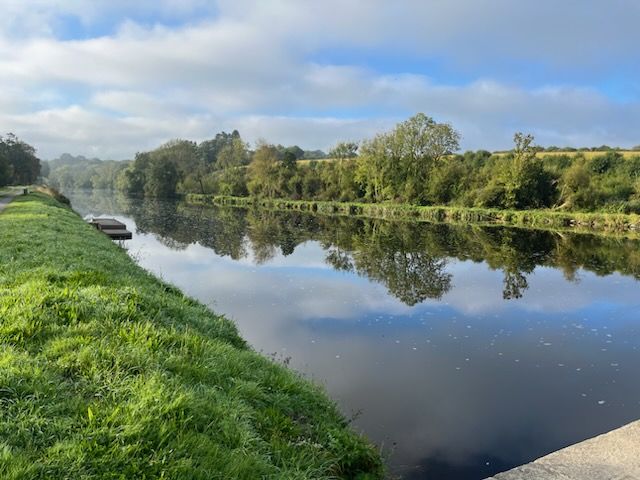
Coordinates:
<point>106,372</point>
<point>607,222</point>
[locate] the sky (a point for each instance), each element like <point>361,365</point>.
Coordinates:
<point>109,78</point>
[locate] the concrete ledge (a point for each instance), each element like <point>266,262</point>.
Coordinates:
<point>612,456</point>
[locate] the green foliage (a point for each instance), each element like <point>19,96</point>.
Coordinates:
<point>447,182</point>
<point>161,178</point>
<point>615,220</point>
<point>376,155</point>
<point>209,149</point>
<point>522,178</point>
<point>294,151</point>
<point>576,187</point>
<point>232,181</point>
<point>107,372</point>
<point>18,162</point>
<point>397,165</point>
<point>603,163</point>
<point>6,171</point>
<point>344,150</point>
<point>233,154</point>
<point>264,172</point>
<point>314,155</point>
<point>414,164</point>
<point>68,173</point>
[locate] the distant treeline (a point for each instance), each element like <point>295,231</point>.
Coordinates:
<point>601,148</point>
<point>179,166</point>
<point>18,162</point>
<point>415,163</point>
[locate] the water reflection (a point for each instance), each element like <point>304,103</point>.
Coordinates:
<point>409,258</point>
<point>467,350</point>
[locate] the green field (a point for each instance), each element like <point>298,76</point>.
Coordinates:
<point>587,154</point>
<point>108,373</point>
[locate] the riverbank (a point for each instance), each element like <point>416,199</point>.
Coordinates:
<point>107,372</point>
<point>604,222</point>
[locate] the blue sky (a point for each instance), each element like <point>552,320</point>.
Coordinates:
<point>109,78</point>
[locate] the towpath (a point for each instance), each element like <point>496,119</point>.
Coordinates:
<point>5,197</point>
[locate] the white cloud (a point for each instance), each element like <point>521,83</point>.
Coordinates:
<point>255,66</point>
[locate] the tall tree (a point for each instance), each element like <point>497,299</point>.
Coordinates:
<point>423,144</point>
<point>396,165</point>
<point>162,178</point>
<point>264,171</point>
<point>373,166</point>
<point>233,154</point>
<point>19,166</point>
<point>209,149</point>
<point>6,171</point>
<point>526,183</point>
<point>344,150</point>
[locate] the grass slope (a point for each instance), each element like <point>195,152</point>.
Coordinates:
<point>107,373</point>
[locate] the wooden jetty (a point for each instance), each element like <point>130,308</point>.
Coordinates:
<point>113,228</point>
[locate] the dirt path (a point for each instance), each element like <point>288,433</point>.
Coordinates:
<point>6,198</point>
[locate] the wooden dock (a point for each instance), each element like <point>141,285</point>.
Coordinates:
<point>113,228</point>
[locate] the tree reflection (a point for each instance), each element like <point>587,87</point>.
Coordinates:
<point>398,257</point>
<point>339,259</point>
<point>411,259</point>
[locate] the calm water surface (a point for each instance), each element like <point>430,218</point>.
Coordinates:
<point>461,351</point>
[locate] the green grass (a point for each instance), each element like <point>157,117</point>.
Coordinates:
<point>108,373</point>
<point>543,219</point>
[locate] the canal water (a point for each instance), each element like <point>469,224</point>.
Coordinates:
<point>461,351</point>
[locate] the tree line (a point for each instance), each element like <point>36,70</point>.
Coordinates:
<point>176,167</point>
<point>19,164</point>
<point>417,162</point>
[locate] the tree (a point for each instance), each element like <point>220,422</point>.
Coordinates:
<point>6,171</point>
<point>132,180</point>
<point>233,154</point>
<point>232,181</point>
<point>263,171</point>
<point>373,164</point>
<point>161,179</point>
<point>526,183</point>
<point>209,149</point>
<point>396,165</point>
<point>297,152</point>
<point>576,182</point>
<point>19,164</point>
<point>344,150</point>
<point>424,143</point>
<point>347,188</point>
